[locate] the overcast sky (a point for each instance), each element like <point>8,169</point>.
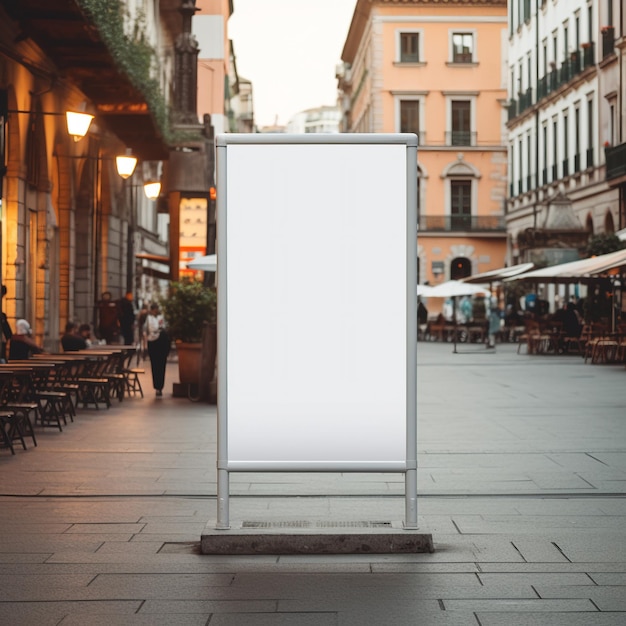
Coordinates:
<point>289,50</point>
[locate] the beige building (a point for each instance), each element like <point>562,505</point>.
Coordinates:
<point>71,228</point>
<point>436,70</point>
<point>210,27</point>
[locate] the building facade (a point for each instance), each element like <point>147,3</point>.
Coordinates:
<point>565,112</point>
<point>71,227</point>
<point>436,70</point>
<point>210,27</point>
<point>614,40</point>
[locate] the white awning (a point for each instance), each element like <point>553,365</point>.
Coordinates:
<point>576,271</point>
<point>493,276</point>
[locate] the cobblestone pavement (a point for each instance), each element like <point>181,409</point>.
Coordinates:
<point>522,477</point>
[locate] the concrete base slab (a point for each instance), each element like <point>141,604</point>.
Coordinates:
<point>314,537</point>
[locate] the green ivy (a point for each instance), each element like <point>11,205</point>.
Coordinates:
<point>135,57</point>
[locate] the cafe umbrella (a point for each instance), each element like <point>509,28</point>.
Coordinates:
<point>454,289</point>
<point>206,263</point>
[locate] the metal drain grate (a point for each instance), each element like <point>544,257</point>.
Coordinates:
<point>318,524</point>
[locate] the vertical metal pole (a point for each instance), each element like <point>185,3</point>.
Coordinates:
<point>96,233</point>
<point>410,480</point>
<point>410,484</point>
<point>130,243</point>
<point>223,500</point>
<point>223,521</point>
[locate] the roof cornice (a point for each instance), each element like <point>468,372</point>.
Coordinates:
<point>363,9</point>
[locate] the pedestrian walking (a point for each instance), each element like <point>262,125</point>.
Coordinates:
<point>127,318</point>
<point>495,317</point>
<point>158,346</point>
<point>109,326</point>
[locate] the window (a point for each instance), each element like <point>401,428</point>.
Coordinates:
<point>460,204</point>
<point>555,149</point>
<point>565,144</point>
<point>529,160</point>
<point>544,173</point>
<point>577,139</point>
<point>520,152</point>
<point>462,47</point>
<point>590,132</point>
<point>512,191</point>
<point>461,123</point>
<point>410,116</point>
<point>409,48</point>
<point>612,109</point>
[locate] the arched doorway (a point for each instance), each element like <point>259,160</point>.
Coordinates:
<point>460,267</point>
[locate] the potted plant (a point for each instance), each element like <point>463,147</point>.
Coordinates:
<point>190,312</point>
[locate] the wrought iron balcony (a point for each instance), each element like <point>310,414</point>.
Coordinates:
<point>578,62</point>
<point>512,109</point>
<point>460,138</point>
<point>462,223</point>
<point>589,54</point>
<point>608,41</point>
<point>615,161</point>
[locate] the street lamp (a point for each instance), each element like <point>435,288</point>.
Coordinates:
<point>152,189</point>
<point>125,164</point>
<point>78,124</point>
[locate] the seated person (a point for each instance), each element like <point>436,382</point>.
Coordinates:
<point>71,340</point>
<point>84,331</point>
<point>22,346</point>
<point>572,322</point>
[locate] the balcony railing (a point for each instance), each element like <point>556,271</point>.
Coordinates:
<point>589,54</point>
<point>608,41</point>
<point>525,100</point>
<point>462,223</point>
<point>615,161</point>
<point>578,62</point>
<point>460,138</point>
<point>513,109</point>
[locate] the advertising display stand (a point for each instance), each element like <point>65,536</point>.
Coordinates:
<point>317,327</point>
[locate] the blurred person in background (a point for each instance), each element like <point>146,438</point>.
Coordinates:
<point>22,345</point>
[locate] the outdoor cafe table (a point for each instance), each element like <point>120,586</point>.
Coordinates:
<point>29,390</point>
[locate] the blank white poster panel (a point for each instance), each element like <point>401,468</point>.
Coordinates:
<point>317,300</point>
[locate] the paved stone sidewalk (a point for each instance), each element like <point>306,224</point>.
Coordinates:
<point>522,470</point>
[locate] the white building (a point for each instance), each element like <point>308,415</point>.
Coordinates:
<point>563,111</point>
<point>324,119</point>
